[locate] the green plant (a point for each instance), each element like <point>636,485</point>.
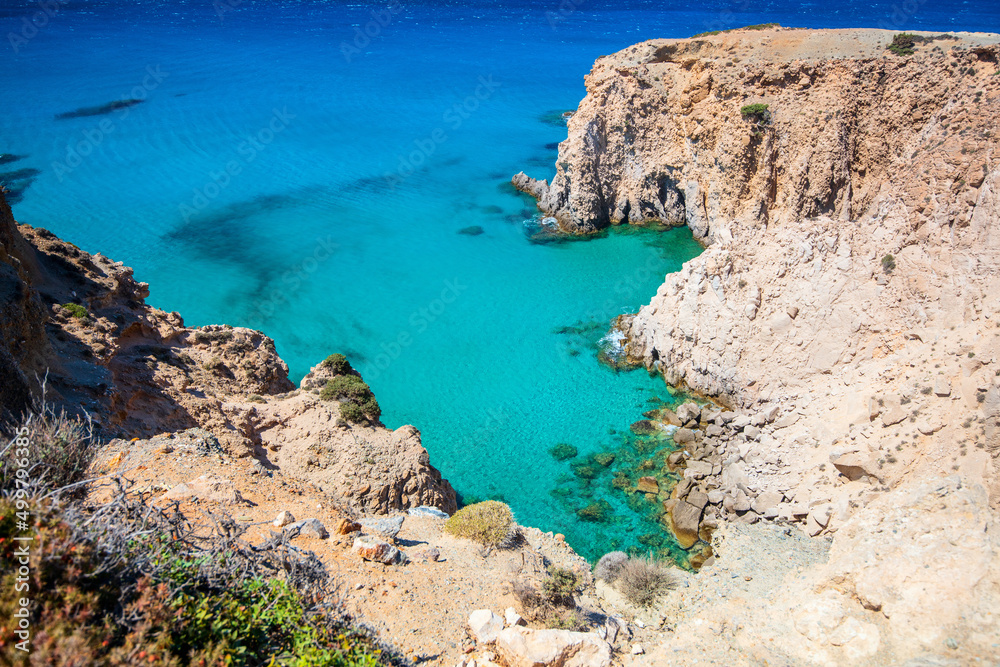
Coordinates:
<point>643,581</point>
<point>759,113</point>
<point>338,364</point>
<point>888,263</point>
<point>357,402</point>
<point>902,44</point>
<point>76,310</point>
<point>559,587</point>
<point>489,523</point>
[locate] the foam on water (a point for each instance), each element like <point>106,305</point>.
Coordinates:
<point>281,175</point>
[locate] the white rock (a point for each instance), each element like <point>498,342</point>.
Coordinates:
<point>525,647</point>
<point>512,617</point>
<point>637,649</point>
<point>484,626</point>
<point>283,519</point>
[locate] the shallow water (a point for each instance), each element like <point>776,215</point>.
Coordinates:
<point>282,172</point>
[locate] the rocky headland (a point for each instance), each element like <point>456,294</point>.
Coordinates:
<point>844,313</point>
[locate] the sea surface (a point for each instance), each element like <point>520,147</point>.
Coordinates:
<point>308,167</point>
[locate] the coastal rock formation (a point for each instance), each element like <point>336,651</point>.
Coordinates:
<point>844,307</point>
<point>79,322</point>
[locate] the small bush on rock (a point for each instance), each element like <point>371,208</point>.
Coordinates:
<point>643,581</point>
<point>756,112</point>
<point>888,263</point>
<point>902,44</point>
<point>338,364</point>
<point>560,586</point>
<point>489,523</point>
<point>76,310</point>
<point>610,565</point>
<point>357,402</point>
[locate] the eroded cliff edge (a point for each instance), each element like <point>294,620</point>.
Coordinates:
<point>848,290</point>
<point>77,332</point>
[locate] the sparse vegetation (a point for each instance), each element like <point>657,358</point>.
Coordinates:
<point>338,364</point>
<point>489,523</point>
<point>559,587</point>
<point>643,581</point>
<point>610,565</point>
<point>357,402</point>
<point>122,583</point>
<point>888,263</point>
<point>758,113</point>
<point>902,44</point>
<point>76,310</point>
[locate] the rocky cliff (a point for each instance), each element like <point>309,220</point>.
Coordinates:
<point>849,199</point>
<point>75,329</point>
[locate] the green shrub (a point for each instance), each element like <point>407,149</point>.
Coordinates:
<point>888,263</point>
<point>563,451</point>
<point>123,593</point>
<point>76,310</point>
<point>357,402</point>
<point>489,523</point>
<point>902,44</point>
<point>559,587</point>
<point>643,581</point>
<point>757,112</point>
<point>338,364</point>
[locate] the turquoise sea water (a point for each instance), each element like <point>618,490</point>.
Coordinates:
<point>286,171</point>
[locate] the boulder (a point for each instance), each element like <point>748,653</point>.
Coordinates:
<point>683,435</point>
<point>484,626</point>
<point>212,489</point>
<point>766,504</point>
<point>893,412</point>
<point>283,519</point>
<point>942,387</point>
<point>855,465</point>
<point>346,527</point>
<point>689,412</point>
<point>698,469</point>
<point>374,549</point>
<point>512,618</point>
<point>698,498</point>
<point>532,186</point>
<point>427,511</point>
<point>384,526</point>
<point>526,647</point>
<point>648,485</point>
<point>684,519</point>
<point>309,528</point>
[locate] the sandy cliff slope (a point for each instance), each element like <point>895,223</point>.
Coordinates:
<point>849,290</point>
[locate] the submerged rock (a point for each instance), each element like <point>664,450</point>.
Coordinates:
<point>103,109</point>
<point>474,230</point>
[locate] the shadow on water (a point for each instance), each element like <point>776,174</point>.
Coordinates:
<point>101,110</point>
<point>14,183</point>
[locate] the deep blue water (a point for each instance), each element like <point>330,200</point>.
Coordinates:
<point>287,172</point>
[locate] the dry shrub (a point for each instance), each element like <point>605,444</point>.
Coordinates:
<point>58,450</point>
<point>643,581</point>
<point>489,523</point>
<point>610,565</point>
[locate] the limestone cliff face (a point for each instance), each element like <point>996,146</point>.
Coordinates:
<point>137,371</point>
<point>864,154</point>
<point>848,290</point>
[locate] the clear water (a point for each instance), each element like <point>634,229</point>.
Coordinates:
<point>281,175</point>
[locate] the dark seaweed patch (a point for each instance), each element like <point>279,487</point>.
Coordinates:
<point>7,158</point>
<point>104,109</point>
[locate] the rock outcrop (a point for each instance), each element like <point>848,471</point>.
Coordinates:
<point>80,322</point>
<point>844,306</point>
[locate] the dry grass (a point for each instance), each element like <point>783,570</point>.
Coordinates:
<point>643,581</point>
<point>490,523</point>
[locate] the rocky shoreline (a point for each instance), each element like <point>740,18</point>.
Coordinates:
<point>844,308</point>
